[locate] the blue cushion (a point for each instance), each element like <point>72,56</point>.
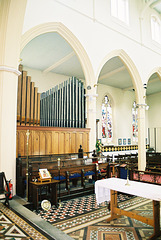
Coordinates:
<point>61,178</point>
<point>89,173</point>
<point>75,175</point>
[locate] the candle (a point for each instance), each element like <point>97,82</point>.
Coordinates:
<point>58,162</point>
<point>97,166</point>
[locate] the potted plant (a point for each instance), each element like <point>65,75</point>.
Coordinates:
<point>98,147</point>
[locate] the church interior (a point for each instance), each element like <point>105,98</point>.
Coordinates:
<point>80,138</point>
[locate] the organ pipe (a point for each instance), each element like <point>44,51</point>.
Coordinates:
<point>61,106</point>
<point>64,105</point>
<point>28,101</point>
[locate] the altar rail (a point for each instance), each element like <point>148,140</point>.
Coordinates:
<point>51,140</point>
<point>147,176</point>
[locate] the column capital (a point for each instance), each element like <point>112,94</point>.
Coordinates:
<point>142,106</point>
<point>9,69</point>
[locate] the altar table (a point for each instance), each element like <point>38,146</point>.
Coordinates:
<point>106,190</point>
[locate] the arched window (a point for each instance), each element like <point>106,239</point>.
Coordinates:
<point>156,29</point>
<point>120,10</point>
<point>134,123</point>
<point>106,120</point>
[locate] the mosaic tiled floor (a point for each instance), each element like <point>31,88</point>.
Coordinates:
<point>123,228</point>
<point>76,207</point>
<point>82,219</point>
<point>80,212</point>
<point>14,227</point>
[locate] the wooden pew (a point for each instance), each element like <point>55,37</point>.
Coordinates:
<point>68,172</point>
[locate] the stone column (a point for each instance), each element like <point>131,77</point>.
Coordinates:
<point>11,22</point>
<point>141,137</point>
<point>91,117</point>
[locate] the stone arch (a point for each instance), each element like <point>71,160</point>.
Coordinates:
<point>155,70</point>
<point>64,32</point>
<point>136,79</point>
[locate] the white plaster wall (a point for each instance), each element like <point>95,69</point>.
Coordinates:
<point>98,32</point>
<point>44,81</point>
<point>122,102</point>
<point>154,120</point>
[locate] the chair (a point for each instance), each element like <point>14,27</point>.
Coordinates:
<point>4,189</point>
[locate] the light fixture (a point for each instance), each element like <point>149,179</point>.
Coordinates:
<point>88,87</point>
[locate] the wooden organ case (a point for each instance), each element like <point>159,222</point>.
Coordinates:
<point>55,119</point>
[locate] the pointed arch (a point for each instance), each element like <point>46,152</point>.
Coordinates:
<point>64,32</point>
<point>110,96</point>
<point>136,79</point>
<point>155,70</point>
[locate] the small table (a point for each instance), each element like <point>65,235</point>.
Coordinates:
<point>106,190</point>
<point>35,186</point>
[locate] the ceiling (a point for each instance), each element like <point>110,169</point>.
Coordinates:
<point>155,4</point>
<point>51,53</point>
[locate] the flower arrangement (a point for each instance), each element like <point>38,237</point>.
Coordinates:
<point>98,146</point>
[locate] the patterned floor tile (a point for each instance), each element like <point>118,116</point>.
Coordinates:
<point>123,228</point>
<point>14,227</point>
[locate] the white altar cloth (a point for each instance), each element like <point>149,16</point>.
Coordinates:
<point>141,189</point>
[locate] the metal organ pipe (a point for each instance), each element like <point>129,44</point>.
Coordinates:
<point>64,106</point>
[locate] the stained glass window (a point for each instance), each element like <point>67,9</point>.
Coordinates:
<point>106,120</point>
<point>134,123</point>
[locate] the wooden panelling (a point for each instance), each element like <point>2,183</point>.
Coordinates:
<point>17,142</point>
<point>61,142</point>
<point>55,142</point>
<point>48,141</point>
<point>51,140</point>
<point>30,143</point>
<point>85,141</point>
<point>67,142</point>
<point>36,143</point>
<point>22,142</point>
<point>73,142</point>
<point>42,143</point>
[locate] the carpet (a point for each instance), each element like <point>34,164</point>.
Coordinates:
<point>14,227</point>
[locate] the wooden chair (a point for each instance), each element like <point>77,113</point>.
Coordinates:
<point>4,189</point>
